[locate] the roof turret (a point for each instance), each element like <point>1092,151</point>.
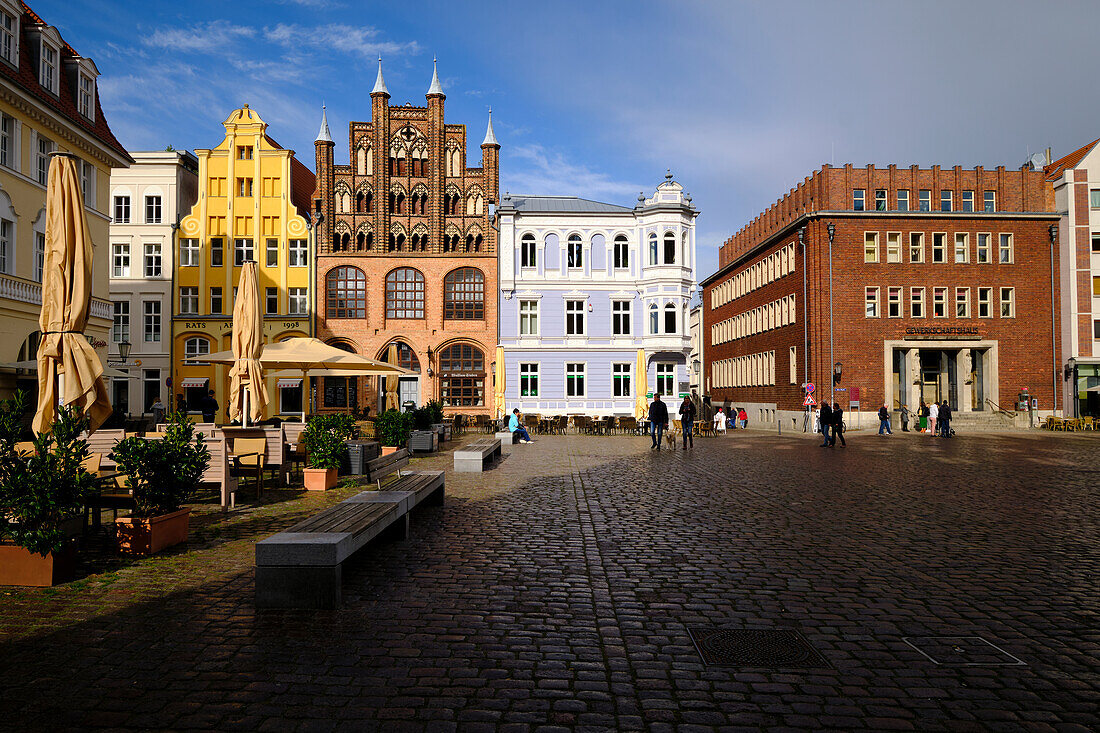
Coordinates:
<point>379,83</point>
<point>436,87</point>
<point>490,138</point>
<point>323,135</point>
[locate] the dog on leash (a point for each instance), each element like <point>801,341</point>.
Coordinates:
<point>670,438</point>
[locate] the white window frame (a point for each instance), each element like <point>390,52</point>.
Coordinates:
<point>217,291</point>
<point>961,256</point>
<point>620,253</point>
<point>39,254</point>
<point>622,313</point>
<point>120,321</point>
<point>529,317</point>
<point>571,375</point>
<point>151,321</point>
<point>120,260</point>
<point>881,199</point>
<point>86,96</point>
<point>903,197</point>
<point>989,201</point>
<point>43,146</point>
<point>941,249</point>
<point>963,202</point>
<point>917,237</point>
<point>982,254</point>
<point>871,303</point>
<point>940,301</point>
<point>893,247</point>
<point>962,303</point>
<point>189,300</point>
<point>870,247</point>
<point>947,196</point>
<point>196,346</point>
<point>664,371</point>
<point>190,253</point>
<point>244,250</point>
<point>153,260</point>
<point>894,295</point>
<point>859,199</point>
<point>154,209</point>
<point>1010,301</point>
<point>574,252</point>
<point>916,303</point>
<point>9,37</point>
<point>528,372</point>
<point>528,252</point>
<point>297,301</point>
<point>924,199</point>
<point>121,204</point>
<point>49,75</point>
<point>622,379</point>
<point>1002,248</point>
<point>298,253</point>
<point>574,316</point>
<point>985,303</point>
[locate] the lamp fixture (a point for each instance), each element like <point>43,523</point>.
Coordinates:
<point>124,349</point>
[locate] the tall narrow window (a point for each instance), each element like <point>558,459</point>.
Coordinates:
<point>189,253</point>
<point>121,329</point>
<point>39,255</point>
<point>666,379</point>
<point>7,144</point>
<point>215,301</point>
<point>967,201</point>
<point>654,320</point>
<point>916,302</point>
<point>945,200</point>
<point>870,247</point>
<point>893,246</point>
<point>273,253</point>
<point>152,260</point>
<point>622,253</point>
<point>653,249</point>
<point>620,380</point>
<point>404,293</point>
<point>528,318</point>
<point>990,200</point>
<point>528,380</point>
<point>45,147</point>
<point>939,248</point>
<point>962,248</point>
<point>962,302</point>
<point>620,317</point>
<point>217,253</point>
<point>527,251</point>
<point>903,199</point>
<point>893,302</point>
<point>189,301</point>
<point>574,252</point>
<point>152,321</point>
<point>152,210</point>
<point>297,253</point>
<point>1008,302</point>
<point>981,253</point>
<point>9,37</point>
<point>297,301</point>
<point>48,70</point>
<point>670,248</point>
<point>939,302</point>
<point>346,293</point>
<point>916,246</point>
<point>464,294</point>
<point>271,304</point>
<point>120,260</point>
<point>924,200</point>
<point>242,252</point>
<point>985,299</point>
<point>87,96</point>
<point>574,317</point>
<point>670,319</point>
<point>574,380</point>
<point>870,300</point>
<point>880,199</point>
<point>859,199</point>
<point>1005,249</point>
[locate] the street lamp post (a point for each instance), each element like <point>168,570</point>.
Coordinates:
<point>124,352</point>
<point>832,233</point>
<point>805,327</point>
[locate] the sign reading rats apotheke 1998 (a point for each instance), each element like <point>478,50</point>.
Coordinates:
<point>941,332</point>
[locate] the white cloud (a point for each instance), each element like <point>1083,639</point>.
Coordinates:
<point>348,39</point>
<point>317,4</point>
<point>213,36</point>
<point>532,169</point>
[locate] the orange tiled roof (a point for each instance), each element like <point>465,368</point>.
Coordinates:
<point>1066,162</point>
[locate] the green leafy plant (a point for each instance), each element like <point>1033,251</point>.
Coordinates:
<point>163,474</point>
<point>422,418</point>
<point>323,440</point>
<point>39,491</point>
<point>393,427</point>
<point>436,408</point>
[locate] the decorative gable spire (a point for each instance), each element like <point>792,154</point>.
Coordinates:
<point>436,87</point>
<point>490,138</point>
<point>379,83</point>
<point>323,135</point>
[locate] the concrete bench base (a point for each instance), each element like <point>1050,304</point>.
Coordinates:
<point>473,458</point>
<point>506,443</point>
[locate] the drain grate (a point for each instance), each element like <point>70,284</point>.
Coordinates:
<point>962,651</point>
<point>762,648</point>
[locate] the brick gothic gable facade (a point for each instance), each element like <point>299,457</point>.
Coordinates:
<point>408,208</point>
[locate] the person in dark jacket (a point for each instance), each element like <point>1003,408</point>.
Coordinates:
<point>838,426</point>
<point>687,421</point>
<point>826,418</point>
<point>904,418</point>
<point>209,407</point>
<point>658,420</point>
<point>884,420</point>
<point>944,423</point>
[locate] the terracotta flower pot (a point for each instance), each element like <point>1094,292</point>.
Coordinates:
<point>387,449</point>
<point>149,535</point>
<point>319,479</point>
<point>19,566</point>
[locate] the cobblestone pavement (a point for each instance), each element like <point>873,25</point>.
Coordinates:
<point>557,592</point>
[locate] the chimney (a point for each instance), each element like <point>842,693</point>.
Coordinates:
<point>1048,156</point>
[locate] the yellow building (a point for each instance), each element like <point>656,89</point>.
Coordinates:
<point>49,101</point>
<point>253,205</point>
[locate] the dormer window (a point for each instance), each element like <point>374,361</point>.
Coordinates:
<point>86,95</point>
<point>9,37</point>
<point>47,71</point>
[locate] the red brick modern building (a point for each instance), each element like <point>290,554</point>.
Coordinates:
<point>939,284</point>
<point>406,255</point>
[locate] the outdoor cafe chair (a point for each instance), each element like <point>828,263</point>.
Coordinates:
<point>247,457</point>
<point>24,448</point>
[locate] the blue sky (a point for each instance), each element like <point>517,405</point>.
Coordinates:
<point>740,99</point>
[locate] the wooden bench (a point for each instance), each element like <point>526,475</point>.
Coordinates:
<point>377,468</point>
<point>302,566</point>
<point>473,458</point>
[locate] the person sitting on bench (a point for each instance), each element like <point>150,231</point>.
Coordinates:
<point>515,427</point>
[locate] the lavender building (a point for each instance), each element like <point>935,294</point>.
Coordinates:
<point>594,302</point>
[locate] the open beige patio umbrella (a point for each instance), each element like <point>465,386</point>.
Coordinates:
<point>641,406</point>
<point>247,391</point>
<point>391,384</point>
<point>66,300</point>
<point>500,382</point>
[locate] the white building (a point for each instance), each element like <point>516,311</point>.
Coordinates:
<point>587,291</point>
<point>695,358</point>
<point>147,201</point>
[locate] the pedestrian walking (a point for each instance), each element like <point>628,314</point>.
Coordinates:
<point>826,417</point>
<point>945,419</point>
<point>516,429</point>
<point>157,408</point>
<point>743,417</point>
<point>658,420</point>
<point>922,417</point>
<point>687,421</point>
<point>838,426</point>
<point>884,420</point>
<point>905,418</point>
<point>209,407</point>
<point>719,421</point>
<point>933,413</point>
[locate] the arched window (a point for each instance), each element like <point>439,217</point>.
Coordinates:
<point>345,241</point>
<point>621,253</point>
<point>670,312</point>
<point>670,248</point>
<point>196,346</point>
<point>462,376</point>
<point>404,293</point>
<point>527,251</point>
<point>464,294</point>
<point>341,391</point>
<point>574,251</point>
<point>653,249</point>
<point>359,203</point>
<point>654,320</point>
<point>346,291</point>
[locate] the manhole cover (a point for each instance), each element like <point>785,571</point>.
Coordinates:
<point>962,651</point>
<point>764,648</point>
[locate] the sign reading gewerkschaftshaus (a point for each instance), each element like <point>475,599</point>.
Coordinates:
<point>934,333</point>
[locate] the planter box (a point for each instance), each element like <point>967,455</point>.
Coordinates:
<point>424,441</point>
<point>147,536</point>
<point>359,453</point>
<point>319,479</point>
<point>443,430</point>
<point>19,566</point>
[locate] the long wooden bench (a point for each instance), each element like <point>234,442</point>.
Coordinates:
<point>473,458</point>
<point>302,567</point>
<point>384,465</point>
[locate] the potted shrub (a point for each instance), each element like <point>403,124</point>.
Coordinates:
<point>323,440</point>
<point>423,437</point>
<point>162,474</point>
<point>392,428</point>
<point>435,407</point>
<point>39,494</point>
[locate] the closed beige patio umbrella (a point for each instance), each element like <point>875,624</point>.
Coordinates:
<point>391,383</point>
<point>641,404</point>
<point>247,391</point>
<point>66,300</point>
